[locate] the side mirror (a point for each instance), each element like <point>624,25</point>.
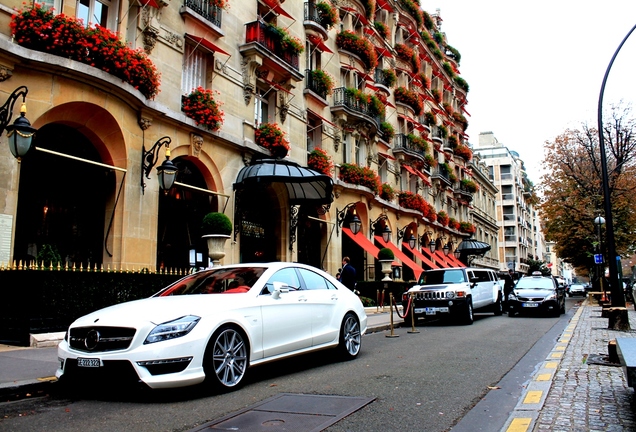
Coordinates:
<point>279,287</point>
<point>473,281</point>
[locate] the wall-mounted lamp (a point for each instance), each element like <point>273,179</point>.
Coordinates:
<point>446,249</point>
<point>166,173</point>
<point>432,246</point>
<point>386,231</point>
<point>20,133</point>
<point>355,224</point>
<point>410,239</point>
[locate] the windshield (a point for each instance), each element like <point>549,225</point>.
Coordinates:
<point>535,283</point>
<point>222,281</point>
<point>442,276</point>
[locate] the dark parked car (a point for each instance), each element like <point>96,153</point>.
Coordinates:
<point>537,294</point>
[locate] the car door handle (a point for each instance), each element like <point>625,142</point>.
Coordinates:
<point>302,299</point>
<point>334,297</point>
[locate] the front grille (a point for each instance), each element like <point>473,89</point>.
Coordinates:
<point>531,299</point>
<point>101,339</point>
<point>430,295</point>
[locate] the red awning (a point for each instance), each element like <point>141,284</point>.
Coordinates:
<point>434,257</point>
<point>421,256</point>
<point>383,52</point>
<point>364,243</point>
<point>384,4</point>
<point>362,18</point>
<point>410,169</point>
<point>440,256</point>
<point>454,261</point>
<point>320,117</point>
<point>206,43</point>
<point>320,44</point>
<point>417,270</point>
<point>386,155</point>
<point>151,3</point>
<point>276,7</point>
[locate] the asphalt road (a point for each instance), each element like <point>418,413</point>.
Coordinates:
<point>425,381</point>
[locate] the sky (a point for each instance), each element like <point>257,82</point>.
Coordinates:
<point>536,68</point>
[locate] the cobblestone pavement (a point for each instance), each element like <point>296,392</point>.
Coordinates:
<point>586,395</point>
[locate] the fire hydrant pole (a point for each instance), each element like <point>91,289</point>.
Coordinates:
<point>411,307</point>
<point>391,312</point>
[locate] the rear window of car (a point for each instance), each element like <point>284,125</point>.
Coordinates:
<point>226,280</point>
<point>536,283</point>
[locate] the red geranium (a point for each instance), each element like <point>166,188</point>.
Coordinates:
<point>201,107</point>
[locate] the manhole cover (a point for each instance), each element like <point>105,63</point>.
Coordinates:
<point>289,412</point>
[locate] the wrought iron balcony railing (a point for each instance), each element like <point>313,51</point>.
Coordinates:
<point>207,10</point>
<point>257,32</point>
<point>402,142</point>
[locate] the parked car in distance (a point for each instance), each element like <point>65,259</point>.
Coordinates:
<point>212,326</point>
<point>537,293</point>
<point>454,293</point>
<point>576,289</point>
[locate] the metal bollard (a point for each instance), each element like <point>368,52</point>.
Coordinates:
<point>377,300</point>
<point>413,329</point>
<point>392,335</point>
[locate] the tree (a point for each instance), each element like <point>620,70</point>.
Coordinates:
<point>537,265</point>
<point>572,194</point>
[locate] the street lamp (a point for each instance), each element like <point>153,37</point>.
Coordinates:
<point>20,133</point>
<point>166,172</point>
<point>386,231</point>
<point>599,221</point>
<point>355,224</point>
<point>616,287</point>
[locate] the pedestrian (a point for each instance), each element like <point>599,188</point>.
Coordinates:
<point>509,285</point>
<point>348,274</point>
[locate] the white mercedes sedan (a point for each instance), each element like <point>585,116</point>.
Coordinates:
<point>212,325</point>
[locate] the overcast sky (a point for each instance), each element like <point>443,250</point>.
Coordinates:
<point>536,68</point>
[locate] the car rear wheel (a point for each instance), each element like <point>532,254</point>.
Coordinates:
<point>226,358</point>
<point>350,337</point>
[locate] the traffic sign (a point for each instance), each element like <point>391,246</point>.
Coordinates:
<point>598,258</point>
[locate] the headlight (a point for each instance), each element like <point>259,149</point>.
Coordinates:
<point>552,296</point>
<point>450,294</point>
<point>172,329</point>
<point>512,296</point>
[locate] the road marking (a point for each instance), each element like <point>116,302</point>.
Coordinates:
<point>543,377</point>
<point>560,348</point>
<point>533,397</point>
<point>551,365</point>
<point>519,424</point>
<point>556,355</point>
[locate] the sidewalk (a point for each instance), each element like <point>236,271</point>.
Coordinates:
<point>572,390</point>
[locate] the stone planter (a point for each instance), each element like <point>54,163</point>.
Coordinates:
<point>386,269</point>
<point>216,247</point>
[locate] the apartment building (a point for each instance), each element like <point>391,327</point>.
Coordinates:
<point>519,234</point>
<point>322,129</point>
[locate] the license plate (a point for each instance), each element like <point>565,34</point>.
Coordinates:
<point>530,304</point>
<point>88,362</point>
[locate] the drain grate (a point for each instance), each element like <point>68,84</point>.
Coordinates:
<point>289,412</point>
<point>600,359</point>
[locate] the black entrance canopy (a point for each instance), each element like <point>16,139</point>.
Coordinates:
<point>473,247</point>
<point>305,186</point>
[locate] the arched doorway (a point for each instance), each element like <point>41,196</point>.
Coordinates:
<point>181,211</point>
<point>309,236</point>
<point>61,202</point>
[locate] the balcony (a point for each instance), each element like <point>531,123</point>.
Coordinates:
<point>314,21</point>
<point>265,44</point>
<point>461,192</point>
<point>402,144</point>
<point>440,174</point>
<point>346,103</point>
<point>205,9</point>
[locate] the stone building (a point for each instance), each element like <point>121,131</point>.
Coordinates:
<point>243,97</point>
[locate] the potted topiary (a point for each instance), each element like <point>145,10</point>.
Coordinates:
<point>216,228</point>
<point>386,257</point>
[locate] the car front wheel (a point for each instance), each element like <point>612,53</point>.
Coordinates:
<point>226,358</point>
<point>498,307</point>
<point>350,337</point>
<point>466,316</point>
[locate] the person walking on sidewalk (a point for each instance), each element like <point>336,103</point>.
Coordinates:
<point>509,285</point>
<point>348,274</point>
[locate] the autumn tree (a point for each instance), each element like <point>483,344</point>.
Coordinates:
<point>572,192</point>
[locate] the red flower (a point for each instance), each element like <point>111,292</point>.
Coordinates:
<point>320,161</point>
<point>201,107</point>
<point>270,136</point>
<point>362,176</point>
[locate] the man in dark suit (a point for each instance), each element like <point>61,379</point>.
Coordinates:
<point>348,274</point>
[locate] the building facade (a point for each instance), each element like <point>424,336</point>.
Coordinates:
<point>519,233</point>
<point>294,119</point>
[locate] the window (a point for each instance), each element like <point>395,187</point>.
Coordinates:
<point>262,99</point>
<point>314,133</point>
<point>314,281</point>
<point>288,276</point>
<point>100,12</point>
<point>358,152</point>
<point>194,68</point>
